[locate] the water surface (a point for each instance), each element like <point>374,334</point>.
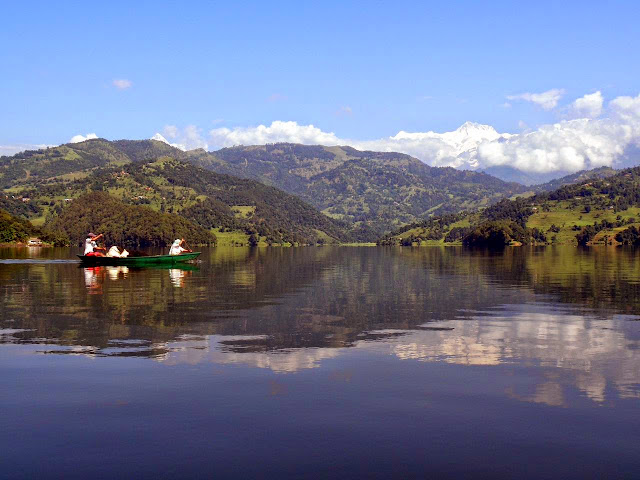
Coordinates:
<point>316,362</point>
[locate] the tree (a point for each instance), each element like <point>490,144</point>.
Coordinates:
<point>254,239</point>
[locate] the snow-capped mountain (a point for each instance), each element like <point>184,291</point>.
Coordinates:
<point>457,148</point>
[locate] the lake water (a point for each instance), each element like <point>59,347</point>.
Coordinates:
<point>323,362</point>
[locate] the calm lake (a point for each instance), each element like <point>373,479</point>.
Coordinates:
<point>323,362</point>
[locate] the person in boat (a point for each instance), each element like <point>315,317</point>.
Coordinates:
<point>117,252</point>
<point>177,247</point>
<point>91,248</point>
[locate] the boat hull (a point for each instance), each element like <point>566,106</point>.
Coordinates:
<point>139,261</point>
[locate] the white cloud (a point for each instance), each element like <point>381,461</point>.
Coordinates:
<point>122,83</point>
<point>589,106</point>
<point>278,131</point>
<point>571,145</point>
<point>170,131</point>
<point>547,100</point>
<point>626,109</point>
<point>82,138</point>
<point>568,145</point>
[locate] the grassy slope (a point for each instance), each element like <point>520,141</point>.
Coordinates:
<point>565,214</point>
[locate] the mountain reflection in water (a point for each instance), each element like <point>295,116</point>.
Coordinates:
<point>316,362</point>
<point>563,309</point>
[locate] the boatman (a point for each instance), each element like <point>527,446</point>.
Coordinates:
<point>91,248</point>
<point>177,248</point>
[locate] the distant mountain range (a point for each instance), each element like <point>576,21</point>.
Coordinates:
<point>374,191</point>
<point>361,194</point>
<point>573,178</point>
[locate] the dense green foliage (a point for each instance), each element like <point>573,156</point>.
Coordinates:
<point>630,236</point>
<point>432,228</point>
<point>371,192</point>
<point>495,234</point>
<point>125,225</point>
<point>15,229</point>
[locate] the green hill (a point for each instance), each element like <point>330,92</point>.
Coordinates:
<point>373,190</point>
<point>214,201</point>
<point>599,210</point>
<point>578,177</point>
<point>66,162</point>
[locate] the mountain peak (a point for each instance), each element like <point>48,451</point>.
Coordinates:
<point>160,138</point>
<point>471,127</point>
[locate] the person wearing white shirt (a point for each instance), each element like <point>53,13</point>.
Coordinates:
<point>91,248</point>
<point>177,248</point>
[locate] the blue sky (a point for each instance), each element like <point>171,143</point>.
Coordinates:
<point>362,70</point>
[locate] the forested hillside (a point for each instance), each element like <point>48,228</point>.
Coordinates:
<point>124,225</point>
<point>16,229</point>
<point>66,162</point>
<point>214,201</point>
<point>603,210</point>
<point>373,190</point>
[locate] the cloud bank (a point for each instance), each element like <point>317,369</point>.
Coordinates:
<point>591,135</point>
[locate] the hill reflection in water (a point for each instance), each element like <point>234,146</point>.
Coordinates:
<point>570,314</point>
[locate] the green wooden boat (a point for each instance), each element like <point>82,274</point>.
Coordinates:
<point>139,261</point>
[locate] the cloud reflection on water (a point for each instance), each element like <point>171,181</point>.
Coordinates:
<point>587,353</point>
